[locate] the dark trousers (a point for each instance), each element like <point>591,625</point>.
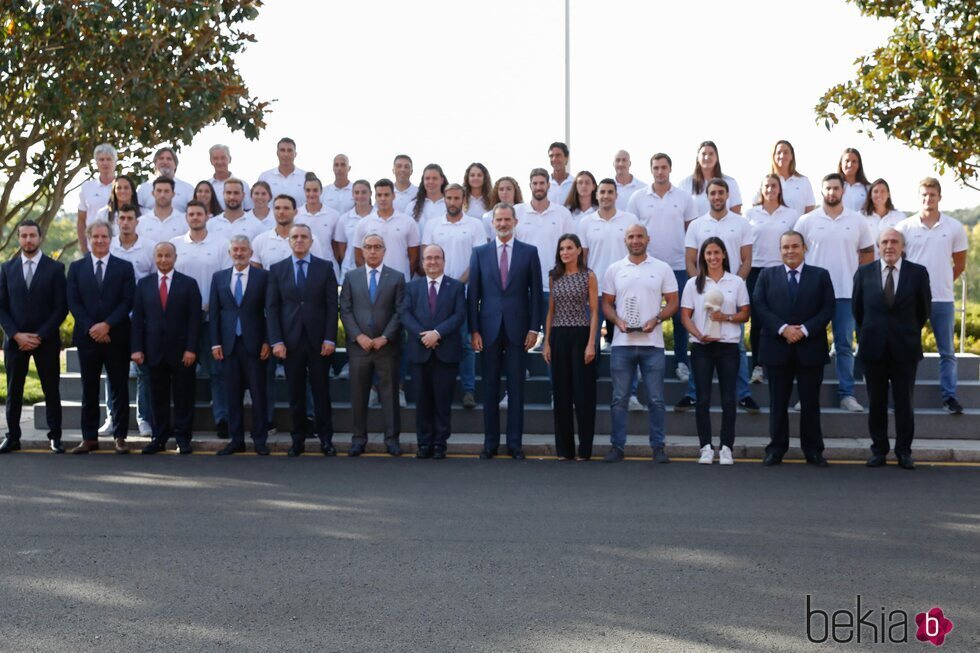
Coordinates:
<point>305,363</point>
<point>496,356</point>
<point>877,376</point>
<point>433,381</point>
<point>47,360</point>
<point>172,378</point>
<point>114,357</point>
<point>385,363</point>
<point>754,331</point>
<point>705,360</point>
<point>245,372</point>
<point>808,379</point>
<point>573,384</point>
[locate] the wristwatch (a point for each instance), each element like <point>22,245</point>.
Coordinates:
<point>729,318</point>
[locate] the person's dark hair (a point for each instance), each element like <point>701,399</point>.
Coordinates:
<point>384,183</point>
<point>420,196</point>
<point>561,146</point>
<point>163,149</point>
<point>163,180</point>
<point>114,201</point>
<point>362,182</point>
<point>485,189</point>
<point>703,264</point>
<point>403,156</point>
<point>792,233</point>
<point>833,176</point>
<point>661,155</point>
<point>198,203</point>
<point>699,181</point>
<point>284,196</point>
<point>793,172</point>
<point>859,177</point>
<point>558,271</point>
<point>311,176</point>
<point>286,139</point>
<point>869,205</point>
<point>261,184</point>
<point>27,222</point>
<point>717,181</point>
<point>607,180</point>
<point>572,203</point>
<point>539,172</point>
<point>129,208</point>
<point>214,206</point>
<point>494,198</point>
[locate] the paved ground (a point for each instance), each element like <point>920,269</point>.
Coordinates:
<point>197,553</point>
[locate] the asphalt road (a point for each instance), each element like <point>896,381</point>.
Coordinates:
<point>197,553</point>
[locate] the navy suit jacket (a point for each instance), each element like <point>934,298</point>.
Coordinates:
<point>813,309</point>
<point>291,316</point>
<point>41,309</point>
<point>511,311</point>
<point>111,303</point>
<point>894,332</point>
<point>448,319</point>
<point>225,312</point>
<point>164,335</point>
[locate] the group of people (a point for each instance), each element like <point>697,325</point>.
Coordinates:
<point>243,280</point>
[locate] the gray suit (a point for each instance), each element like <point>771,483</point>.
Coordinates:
<point>380,318</point>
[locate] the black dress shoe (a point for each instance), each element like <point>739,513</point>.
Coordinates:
<point>487,454</point>
<point>424,452</point>
<point>261,450</point>
<point>905,461</point>
<point>394,450</point>
<point>876,460</point>
<point>328,450</point>
<point>9,444</point>
<point>152,448</point>
<point>185,449</point>
<point>232,447</point>
<point>817,460</point>
<point>222,428</point>
<point>516,454</point>
<point>295,450</point>
<point>439,453</point>
<point>771,459</point>
<point>55,446</point>
<point>355,450</point>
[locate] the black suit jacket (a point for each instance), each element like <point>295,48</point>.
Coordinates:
<point>896,332</point>
<point>224,311</point>
<point>91,304</point>
<point>813,309</point>
<point>41,309</point>
<point>448,319</point>
<point>164,335</point>
<point>293,318</point>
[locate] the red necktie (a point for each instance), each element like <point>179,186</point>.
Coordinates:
<point>163,292</point>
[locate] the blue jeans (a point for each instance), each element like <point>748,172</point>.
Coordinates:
<point>843,330</point>
<point>622,367</point>
<point>942,320</point>
<point>467,366</point>
<point>214,369</point>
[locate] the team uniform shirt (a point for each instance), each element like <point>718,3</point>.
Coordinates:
<point>103,216</point>
<point>430,211</point>
<point>340,200</point>
<point>624,192</point>
<point>934,248</point>
<point>219,192</point>
<point>403,197</point>
<point>475,208</point>
<point>701,204</point>
<point>400,232</point>
<point>183,193</point>
<point>152,228</point>
<point>855,196</point>
<point>878,224</point>
<point>92,196</point>
<point>344,233</point>
<point>200,260</point>
<point>291,184</point>
<point>797,193</point>
<point>644,284</point>
<point>833,245</point>
<point>766,231</point>
<point>139,254</point>
<point>543,231</point>
<point>324,226</point>
<point>223,229</point>
<point>558,193</point>
<point>605,239</point>
<point>735,294</point>
<point>734,230</point>
<point>457,240</point>
<point>579,214</point>
<point>665,219</point>
<point>269,248</point>
<point>268,223</point>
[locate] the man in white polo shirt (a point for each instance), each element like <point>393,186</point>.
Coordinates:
<point>234,221</point>
<point>163,222</point>
<point>220,156</point>
<point>286,178</point>
<point>839,240</point>
<point>639,292</point>
<point>933,239</point>
<point>458,234</point>
<point>94,193</point>
<point>405,190</point>
<point>626,183</point>
<point>165,165</point>
<point>339,195</point>
<point>199,256</point>
<point>399,232</point>
<point>560,183</point>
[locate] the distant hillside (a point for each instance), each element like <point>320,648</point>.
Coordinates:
<point>968,217</point>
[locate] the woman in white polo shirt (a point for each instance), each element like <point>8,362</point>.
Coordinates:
<point>204,192</point>
<point>476,187</point>
<point>713,306</point>
<point>581,199</point>
<point>123,193</point>
<point>797,190</point>
<point>505,189</point>
<point>344,234</point>
<point>851,168</point>
<point>878,210</point>
<point>261,195</point>
<point>706,168</point>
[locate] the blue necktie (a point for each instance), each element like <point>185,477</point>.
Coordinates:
<point>794,285</point>
<point>301,276</point>
<point>373,285</point>
<point>239,293</point>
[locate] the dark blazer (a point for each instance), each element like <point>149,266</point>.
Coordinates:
<point>290,315</point>
<point>894,332</point>
<point>90,304</point>
<point>814,309</point>
<point>41,309</point>
<point>448,319</point>
<point>513,310</point>
<point>381,318</point>
<point>164,336</point>
<point>225,312</point>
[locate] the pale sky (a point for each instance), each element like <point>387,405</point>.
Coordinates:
<point>456,81</point>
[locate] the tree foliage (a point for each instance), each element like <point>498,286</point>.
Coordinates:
<point>921,86</point>
<point>134,73</point>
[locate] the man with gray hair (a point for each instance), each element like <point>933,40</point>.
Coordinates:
<point>220,156</point>
<point>165,165</point>
<point>94,193</point>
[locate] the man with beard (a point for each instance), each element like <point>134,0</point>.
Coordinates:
<point>234,221</point>
<point>165,165</point>
<point>163,222</point>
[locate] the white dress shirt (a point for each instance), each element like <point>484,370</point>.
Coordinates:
<point>24,259</point>
<point>234,278</point>
<point>95,265</point>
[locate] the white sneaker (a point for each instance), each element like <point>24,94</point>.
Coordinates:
<point>107,426</point>
<point>635,404</point>
<point>725,456</point>
<point>683,372</point>
<point>401,399</point>
<point>605,345</point>
<point>144,428</point>
<point>796,407</point>
<point>374,401</point>
<point>503,401</point>
<point>758,376</point>
<point>707,455</point>
<point>851,404</point>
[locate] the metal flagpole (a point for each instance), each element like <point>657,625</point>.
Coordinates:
<point>568,77</point>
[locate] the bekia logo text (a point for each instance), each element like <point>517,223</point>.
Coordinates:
<point>867,625</point>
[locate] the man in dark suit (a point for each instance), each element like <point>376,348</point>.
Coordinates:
<point>433,312</point>
<point>892,301</point>
<point>100,296</point>
<point>166,320</point>
<point>238,333</point>
<point>32,307</point>
<point>792,304</point>
<point>504,308</point>
<point>369,303</point>
<point>301,313</point>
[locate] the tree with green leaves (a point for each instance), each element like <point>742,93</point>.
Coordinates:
<point>133,73</point>
<point>921,86</point>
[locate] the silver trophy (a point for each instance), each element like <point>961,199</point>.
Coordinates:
<point>631,315</point>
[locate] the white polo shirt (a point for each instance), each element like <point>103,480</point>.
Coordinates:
<point>665,218</point>
<point>324,226</point>
<point>543,231</point>
<point>797,193</point>
<point>183,193</point>
<point>605,239</point>
<point>200,260</point>
<point>855,195</point>
<point>152,228</point>
<point>221,228</point>
<point>457,240</point>
<point>734,293</point>
<point>340,200</point>
<point>140,254</point>
<point>103,215</point>
<point>934,248</point>
<point>766,231</point>
<point>219,192</point>
<point>558,193</point>
<point>400,232</point>
<point>430,211</point>
<point>344,233</point>
<point>701,204</point>
<point>403,197</point>
<point>268,223</point>
<point>578,214</point>
<point>93,195</point>
<point>291,184</point>
<point>625,191</point>
<point>878,224</point>
<point>476,207</point>
<point>833,245</point>
<point>269,248</point>
<point>734,230</point>
<point>647,282</point>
